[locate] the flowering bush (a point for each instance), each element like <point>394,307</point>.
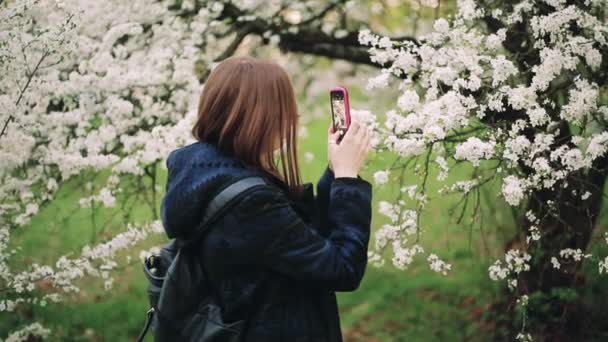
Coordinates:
<point>85,92</point>
<point>517,89</point>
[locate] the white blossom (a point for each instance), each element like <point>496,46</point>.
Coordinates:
<point>582,101</point>
<point>403,257</point>
<point>443,167</point>
<point>513,190</point>
<point>408,101</point>
<point>474,150</point>
<point>27,332</point>
<point>503,69</point>
<point>603,266</point>
<point>381,177</point>
<point>575,254</point>
<point>438,265</point>
<point>534,234</point>
<point>523,300</point>
<point>555,263</point>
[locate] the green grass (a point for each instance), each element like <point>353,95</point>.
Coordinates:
<point>390,305</point>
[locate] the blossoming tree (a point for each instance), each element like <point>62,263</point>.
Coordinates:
<point>519,91</point>
<point>81,93</point>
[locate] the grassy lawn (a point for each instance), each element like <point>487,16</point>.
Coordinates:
<point>391,305</point>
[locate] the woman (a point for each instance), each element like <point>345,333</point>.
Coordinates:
<point>276,258</point>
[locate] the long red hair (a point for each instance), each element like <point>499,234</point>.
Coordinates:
<point>246,108</point>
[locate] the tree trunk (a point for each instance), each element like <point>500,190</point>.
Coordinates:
<point>555,311</point>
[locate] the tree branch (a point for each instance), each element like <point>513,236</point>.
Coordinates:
<point>27,83</point>
<point>309,38</point>
<point>240,35</point>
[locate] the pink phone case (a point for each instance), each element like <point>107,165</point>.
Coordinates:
<point>346,104</point>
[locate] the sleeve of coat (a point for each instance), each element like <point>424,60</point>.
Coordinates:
<point>290,246</point>
<point>322,199</point>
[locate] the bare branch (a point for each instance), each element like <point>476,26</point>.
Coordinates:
<point>240,35</point>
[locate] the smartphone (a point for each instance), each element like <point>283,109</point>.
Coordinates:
<point>340,110</point>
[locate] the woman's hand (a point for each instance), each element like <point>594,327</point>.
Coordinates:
<point>347,158</point>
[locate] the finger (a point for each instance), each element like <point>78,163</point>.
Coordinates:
<point>365,139</point>
<point>364,151</point>
<point>361,132</point>
<point>355,125</point>
<point>331,133</point>
<point>352,131</point>
<point>333,136</point>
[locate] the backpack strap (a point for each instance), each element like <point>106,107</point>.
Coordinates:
<point>228,194</point>
<point>219,204</point>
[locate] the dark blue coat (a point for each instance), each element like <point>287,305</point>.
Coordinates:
<point>273,257</point>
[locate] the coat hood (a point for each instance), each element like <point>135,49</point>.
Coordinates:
<point>196,173</point>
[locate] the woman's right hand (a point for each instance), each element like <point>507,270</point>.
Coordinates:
<point>347,158</point>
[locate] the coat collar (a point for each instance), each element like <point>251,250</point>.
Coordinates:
<point>197,172</point>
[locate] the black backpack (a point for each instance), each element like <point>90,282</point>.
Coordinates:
<point>183,306</point>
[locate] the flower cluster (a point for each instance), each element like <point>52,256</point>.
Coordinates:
<point>458,56</point>
<point>381,177</point>
<point>515,262</point>
<point>438,265</point>
<point>27,332</point>
<point>95,261</point>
